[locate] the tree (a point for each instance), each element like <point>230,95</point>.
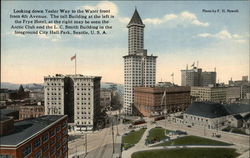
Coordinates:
<point>21,89</point>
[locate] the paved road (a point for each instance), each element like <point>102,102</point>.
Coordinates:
<point>99,143</point>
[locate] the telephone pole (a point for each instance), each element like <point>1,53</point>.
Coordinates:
<point>113,140</point>
<point>86,144</point>
<point>118,122</point>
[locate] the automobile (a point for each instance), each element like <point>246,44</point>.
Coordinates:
<point>218,135</point>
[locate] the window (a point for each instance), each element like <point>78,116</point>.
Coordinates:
<point>38,154</point>
<point>58,154</point>
<point>58,137</point>
<point>64,132</point>
<point>45,137</point>
<point>37,143</point>
<point>65,140</point>
<point>45,148</point>
<point>52,142</point>
<point>58,145</point>
<point>27,150</point>
<point>58,129</point>
<point>64,148</point>
<point>53,150</point>
<point>52,133</point>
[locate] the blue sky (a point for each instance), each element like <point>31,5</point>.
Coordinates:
<point>179,33</point>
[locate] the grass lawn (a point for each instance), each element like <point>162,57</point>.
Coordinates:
<point>187,153</point>
<point>192,140</point>
<point>132,138</point>
<point>156,134</point>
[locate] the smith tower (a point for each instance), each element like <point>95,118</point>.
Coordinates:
<point>135,34</point>
<point>139,68</point>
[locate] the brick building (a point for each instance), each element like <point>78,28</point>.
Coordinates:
<point>30,111</point>
<point>149,101</point>
<point>45,136</point>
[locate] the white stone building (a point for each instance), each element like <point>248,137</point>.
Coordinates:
<point>77,96</point>
<point>214,115</point>
<point>211,94</point>
<point>54,95</point>
<point>139,68</point>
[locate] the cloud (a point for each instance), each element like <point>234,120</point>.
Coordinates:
<point>104,5</point>
<point>124,20</point>
<point>224,35</point>
<point>182,18</point>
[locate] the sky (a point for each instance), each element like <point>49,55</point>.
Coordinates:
<point>179,33</point>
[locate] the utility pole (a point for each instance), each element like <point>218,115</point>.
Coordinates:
<point>118,122</point>
<point>86,144</point>
<point>113,136</point>
<point>76,149</point>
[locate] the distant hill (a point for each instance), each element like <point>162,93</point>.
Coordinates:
<point>14,86</point>
<point>32,86</point>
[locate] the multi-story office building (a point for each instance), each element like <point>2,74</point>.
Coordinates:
<point>139,68</point>
<point>191,77</point>
<point>45,136</point>
<point>77,96</point>
<point>208,78</point>
<point>105,96</point>
<point>233,94</point>
<point>195,77</point>
<point>54,95</point>
<point>151,101</point>
<point>212,94</point>
<point>30,111</point>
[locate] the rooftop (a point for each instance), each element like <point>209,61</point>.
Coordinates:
<point>207,109</point>
<point>213,110</point>
<point>136,19</point>
<point>7,112</point>
<point>28,128</point>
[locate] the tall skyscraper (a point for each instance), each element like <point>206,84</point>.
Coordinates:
<point>195,77</point>
<point>191,77</point>
<point>77,96</point>
<point>139,68</point>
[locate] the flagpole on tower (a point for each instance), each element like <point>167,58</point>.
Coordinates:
<point>74,58</point>
<point>75,64</point>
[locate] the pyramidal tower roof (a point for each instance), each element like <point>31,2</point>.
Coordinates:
<point>136,19</point>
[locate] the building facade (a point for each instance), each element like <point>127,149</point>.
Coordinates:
<point>215,115</point>
<point>191,77</point>
<point>54,95</point>
<point>47,137</point>
<point>139,68</point>
<point>212,94</point>
<point>151,101</point>
<point>105,98</point>
<point>77,96</point>
<point>208,78</point>
<point>195,77</point>
<point>233,94</point>
<point>30,111</point>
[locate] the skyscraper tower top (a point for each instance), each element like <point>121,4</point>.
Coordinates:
<point>135,34</point>
<point>135,20</point>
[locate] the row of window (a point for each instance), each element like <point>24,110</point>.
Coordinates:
<point>54,84</point>
<point>27,150</point>
<point>83,113</point>
<point>84,117</point>
<point>83,123</point>
<point>53,93</point>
